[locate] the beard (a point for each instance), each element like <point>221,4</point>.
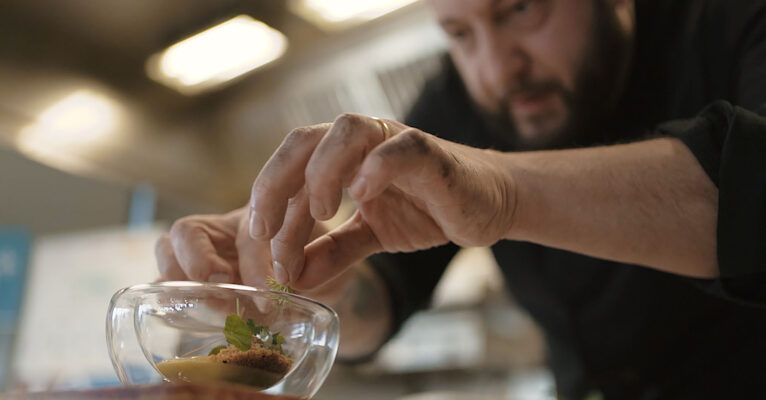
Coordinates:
<point>589,105</point>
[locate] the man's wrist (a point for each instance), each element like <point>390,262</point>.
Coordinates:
<point>516,194</point>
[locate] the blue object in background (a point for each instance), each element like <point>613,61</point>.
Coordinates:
<point>142,204</point>
<point>14,257</point>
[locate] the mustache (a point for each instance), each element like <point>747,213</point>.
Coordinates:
<point>531,88</point>
<point>534,87</point>
<point>500,117</point>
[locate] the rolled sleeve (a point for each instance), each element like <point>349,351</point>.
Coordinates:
<point>730,144</point>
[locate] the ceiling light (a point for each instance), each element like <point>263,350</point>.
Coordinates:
<point>217,55</point>
<point>338,14</point>
<point>79,118</point>
<point>82,121</point>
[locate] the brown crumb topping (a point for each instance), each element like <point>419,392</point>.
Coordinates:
<point>257,357</point>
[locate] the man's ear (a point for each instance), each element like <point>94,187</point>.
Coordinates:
<point>626,14</point>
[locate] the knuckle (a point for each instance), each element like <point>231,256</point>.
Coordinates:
<point>262,184</point>
<point>416,140</point>
<point>410,142</point>
<point>296,139</point>
<point>348,121</point>
<point>186,229</point>
<point>345,136</point>
<point>180,226</point>
<point>298,135</point>
<point>280,242</point>
<point>281,156</point>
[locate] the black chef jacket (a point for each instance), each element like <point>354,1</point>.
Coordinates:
<point>698,73</point>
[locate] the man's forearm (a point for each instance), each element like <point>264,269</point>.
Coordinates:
<point>648,203</point>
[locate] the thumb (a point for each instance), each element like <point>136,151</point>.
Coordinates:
<point>333,253</point>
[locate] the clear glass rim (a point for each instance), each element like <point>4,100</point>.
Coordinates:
<point>224,286</point>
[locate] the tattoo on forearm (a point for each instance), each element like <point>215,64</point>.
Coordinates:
<point>361,296</point>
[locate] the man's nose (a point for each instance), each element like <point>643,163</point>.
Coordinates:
<point>502,61</point>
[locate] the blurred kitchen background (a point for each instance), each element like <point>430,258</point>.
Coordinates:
<point>112,125</point>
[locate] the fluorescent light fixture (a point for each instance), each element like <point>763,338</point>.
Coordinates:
<point>79,118</point>
<point>217,55</point>
<point>339,14</point>
<point>79,123</point>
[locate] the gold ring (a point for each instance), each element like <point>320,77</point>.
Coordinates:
<point>384,128</point>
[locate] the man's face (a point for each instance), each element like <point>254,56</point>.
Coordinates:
<point>538,64</point>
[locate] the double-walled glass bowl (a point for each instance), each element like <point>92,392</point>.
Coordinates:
<point>150,323</point>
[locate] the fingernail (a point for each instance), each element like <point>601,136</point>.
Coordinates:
<point>257,226</point>
<point>280,274</point>
<point>318,209</point>
<point>358,189</point>
<point>219,278</point>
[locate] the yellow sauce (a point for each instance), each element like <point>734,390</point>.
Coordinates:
<point>204,369</point>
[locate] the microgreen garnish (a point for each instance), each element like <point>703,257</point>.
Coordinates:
<point>274,285</point>
<point>216,350</point>
<point>276,342</point>
<point>240,334</point>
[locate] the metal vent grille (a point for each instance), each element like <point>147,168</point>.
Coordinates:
<point>402,84</point>
<point>387,93</point>
<point>315,107</point>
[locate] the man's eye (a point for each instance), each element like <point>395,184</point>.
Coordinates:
<point>523,15</point>
<point>517,9</point>
<point>458,35</point>
<point>521,7</point>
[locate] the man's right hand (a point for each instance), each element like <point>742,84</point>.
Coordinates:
<point>413,191</point>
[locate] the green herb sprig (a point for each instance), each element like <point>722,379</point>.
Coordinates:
<point>274,285</point>
<point>239,333</point>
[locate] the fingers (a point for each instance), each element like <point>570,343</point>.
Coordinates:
<point>410,152</point>
<point>192,243</point>
<point>400,223</point>
<point>254,257</point>
<point>324,157</point>
<point>287,246</point>
<point>170,269</point>
<point>280,179</point>
<point>332,254</point>
<point>337,158</point>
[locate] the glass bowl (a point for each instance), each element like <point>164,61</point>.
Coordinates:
<point>151,323</point>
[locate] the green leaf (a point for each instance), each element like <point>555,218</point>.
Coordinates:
<point>262,330</point>
<point>258,330</point>
<point>276,342</point>
<point>277,339</point>
<point>238,333</point>
<point>216,350</point>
